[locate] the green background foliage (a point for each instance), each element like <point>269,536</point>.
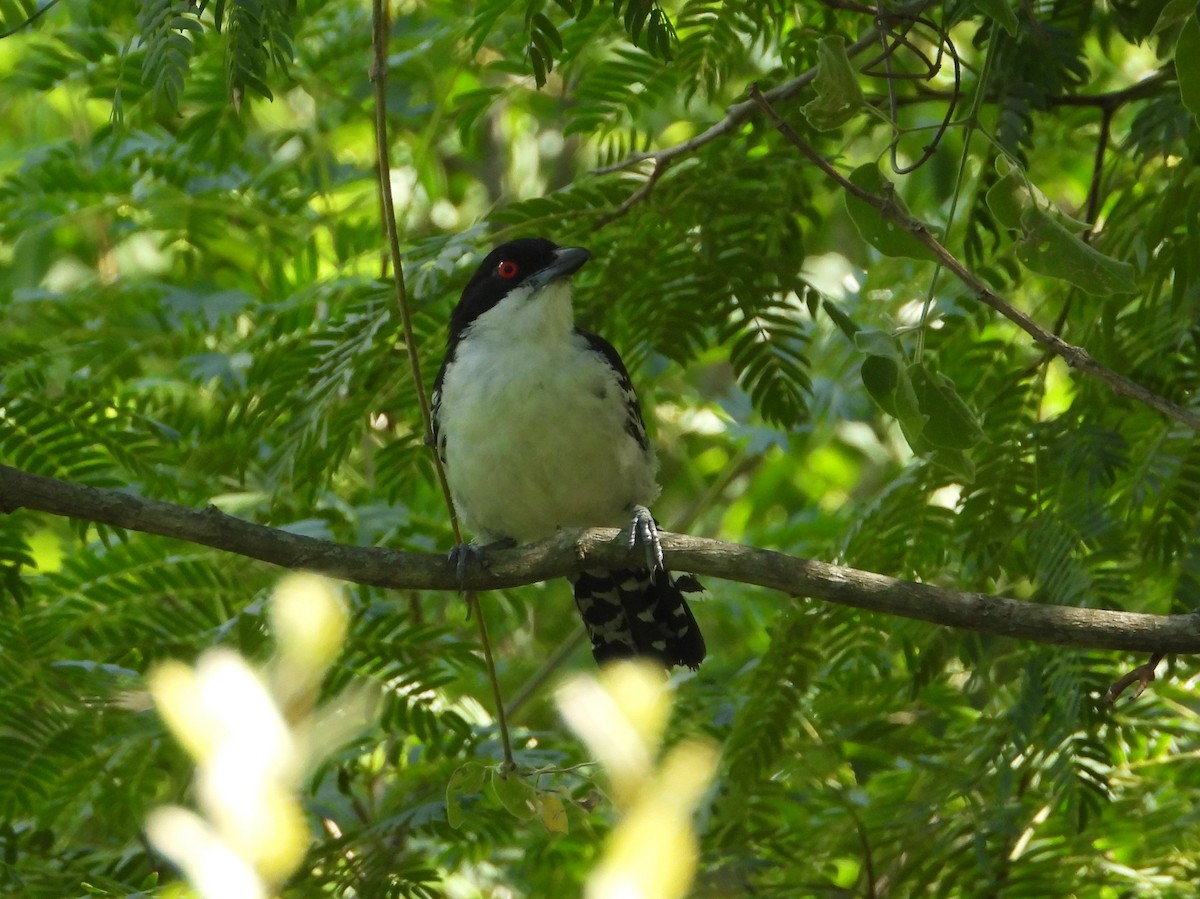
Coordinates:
<point>196,307</point>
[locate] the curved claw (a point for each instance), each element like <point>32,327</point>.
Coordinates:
<point>643,529</point>
<point>460,556</point>
<point>466,554</point>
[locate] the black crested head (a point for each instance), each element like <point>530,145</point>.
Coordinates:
<point>526,262</point>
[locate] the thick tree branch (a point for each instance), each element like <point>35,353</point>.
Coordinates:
<point>571,551</point>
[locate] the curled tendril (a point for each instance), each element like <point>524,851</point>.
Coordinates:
<point>913,33</point>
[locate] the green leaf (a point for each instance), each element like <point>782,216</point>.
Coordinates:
<point>1011,196</point>
<point>1173,14</point>
<point>636,13</point>
<point>1187,64</point>
<point>882,377</point>
<point>949,423</point>
<point>888,383</point>
<point>539,64</point>
<point>660,34</point>
<point>465,780</point>
<point>885,235</point>
<point>931,414</point>
<point>1050,249</point>
<point>954,461</point>
<point>1008,198</point>
<point>552,813</point>
<point>517,795</point>
<point>545,26</point>
<point>878,343</point>
<point>544,49</point>
<point>1001,13</point>
<point>838,95</point>
<point>844,323</point>
<point>768,355</point>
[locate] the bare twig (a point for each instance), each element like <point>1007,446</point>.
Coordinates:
<point>1142,675</point>
<point>1075,356</point>
<point>1092,209</point>
<point>569,552</point>
<point>643,191</point>
<point>1144,89</point>
<point>379,78</point>
<point>37,14</point>
<point>850,6</point>
<point>1147,87</point>
<point>932,67</point>
<point>379,32</point>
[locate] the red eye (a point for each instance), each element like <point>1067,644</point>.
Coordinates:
<point>507,269</point>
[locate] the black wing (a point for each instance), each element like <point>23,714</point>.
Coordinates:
<point>437,438</point>
<point>634,423</point>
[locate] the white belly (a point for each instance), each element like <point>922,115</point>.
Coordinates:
<point>531,448</point>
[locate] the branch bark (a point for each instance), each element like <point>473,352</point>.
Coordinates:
<point>572,551</point>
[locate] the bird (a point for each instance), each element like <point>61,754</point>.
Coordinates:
<point>538,427</point>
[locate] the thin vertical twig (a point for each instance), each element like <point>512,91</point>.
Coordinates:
<point>379,33</point>
<point>1094,199</point>
<point>1092,208</point>
<point>972,125</point>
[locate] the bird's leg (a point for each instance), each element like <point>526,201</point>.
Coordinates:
<point>643,529</point>
<point>465,553</point>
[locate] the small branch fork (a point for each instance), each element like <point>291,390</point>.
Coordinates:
<point>1075,356</point>
<point>1142,675</point>
<point>569,552</point>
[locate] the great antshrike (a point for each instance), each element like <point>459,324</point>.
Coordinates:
<point>538,427</point>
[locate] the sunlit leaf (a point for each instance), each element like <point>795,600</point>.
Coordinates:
<point>839,97</point>
<point>1050,249</point>
<point>553,813</point>
<point>516,794</point>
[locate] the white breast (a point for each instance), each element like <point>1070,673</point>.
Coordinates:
<point>535,426</point>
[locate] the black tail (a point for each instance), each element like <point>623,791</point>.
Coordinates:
<point>628,612</point>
